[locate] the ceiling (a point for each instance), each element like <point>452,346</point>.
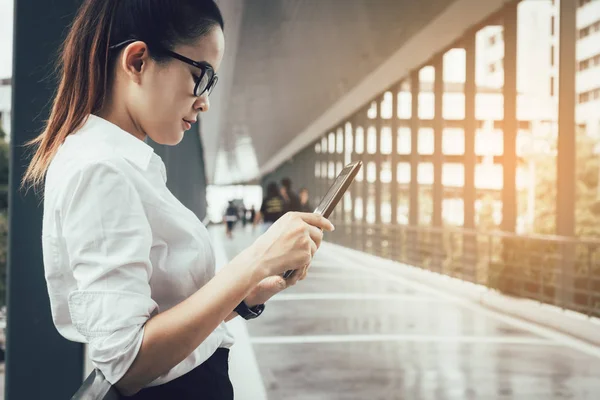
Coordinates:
<point>289,61</point>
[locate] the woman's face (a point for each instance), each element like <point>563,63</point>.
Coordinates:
<point>163,99</point>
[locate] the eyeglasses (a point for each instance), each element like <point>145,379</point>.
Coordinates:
<point>207,80</point>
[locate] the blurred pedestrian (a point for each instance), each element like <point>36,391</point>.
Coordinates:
<point>305,205</point>
<point>290,199</point>
<point>231,216</point>
<point>272,207</point>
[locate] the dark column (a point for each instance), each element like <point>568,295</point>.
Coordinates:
<point>342,207</point>
<point>378,161</point>
<point>438,159</point>
<point>469,264</point>
<point>438,156</point>
<point>413,211</point>
<point>565,180</point>
<point>509,191</point>
<point>413,214</point>
<point>321,182</point>
<point>394,155</point>
<point>470,126</point>
<point>40,363</point>
<point>364,121</point>
<point>354,157</point>
<point>356,231</point>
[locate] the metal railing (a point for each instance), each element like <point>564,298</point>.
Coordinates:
<point>561,271</point>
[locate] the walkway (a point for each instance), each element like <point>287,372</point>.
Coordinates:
<point>353,330</point>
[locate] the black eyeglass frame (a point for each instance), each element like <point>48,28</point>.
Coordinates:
<point>203,66</point>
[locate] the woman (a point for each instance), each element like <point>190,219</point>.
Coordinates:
<point>130,270</point>
<point>272,207</point>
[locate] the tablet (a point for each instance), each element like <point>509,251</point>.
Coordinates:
<point>335,194</point>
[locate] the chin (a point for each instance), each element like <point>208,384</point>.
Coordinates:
<point>175,139</point>
<point>170,139</point>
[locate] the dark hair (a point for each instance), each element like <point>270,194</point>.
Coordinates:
<point>85,64</point>
<point>286,183</point>
<point>272,190</point>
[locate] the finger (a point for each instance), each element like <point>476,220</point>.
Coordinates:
<point>292,280</point>
<point>313,249</point>
<point>316,235</point>
<point>304,272</point>
<point>317,220</point>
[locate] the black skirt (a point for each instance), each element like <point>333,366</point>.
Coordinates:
<point>208,381</point>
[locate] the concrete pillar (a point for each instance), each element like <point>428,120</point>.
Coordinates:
<point>40,363</point>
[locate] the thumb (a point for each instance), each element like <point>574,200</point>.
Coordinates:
<point>274,283</point>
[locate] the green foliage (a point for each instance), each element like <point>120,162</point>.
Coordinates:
<point>532,268</point>
<point>587,204</point>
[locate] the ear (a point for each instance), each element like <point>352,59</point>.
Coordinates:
<point>134,60</point>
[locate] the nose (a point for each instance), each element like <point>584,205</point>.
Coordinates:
<point>202,104</point>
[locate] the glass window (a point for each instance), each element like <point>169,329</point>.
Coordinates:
<point>453,175</point>
<point>372,112</point>
<point>385,175</point>
<point>386,212</point>
<point>358,208</point>
<point>405,104</point>
<point>371,210</point>
<point>404,140</point>
<point>339,143</point>
<point>371,140</point>
<point>349,142</point>
<point>426,105</point>
<point>425,174</point>
<point>426,141</point>
<point>386,106</point>
<point>371,172</point>
<point>386,140</point>
<point>331,142</point>
<point>360,140</point>
<point>453,141</point>
<point>403,172</point>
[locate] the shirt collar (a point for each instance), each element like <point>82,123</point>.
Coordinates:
<point>124,143</point>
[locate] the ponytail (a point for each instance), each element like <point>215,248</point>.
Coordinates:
<point>83,70</point>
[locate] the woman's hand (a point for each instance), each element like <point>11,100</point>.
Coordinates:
<point>272,285</point>
<point>266,289</point>
<point>290,243</point>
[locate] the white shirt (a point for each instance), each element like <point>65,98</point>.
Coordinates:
<point>119,247</point>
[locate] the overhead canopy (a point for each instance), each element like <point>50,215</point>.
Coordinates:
<point>294,68</point>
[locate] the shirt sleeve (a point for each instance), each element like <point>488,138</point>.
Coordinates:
<point>108,240</point>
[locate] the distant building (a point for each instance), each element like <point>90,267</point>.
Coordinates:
<point>588,65</point>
